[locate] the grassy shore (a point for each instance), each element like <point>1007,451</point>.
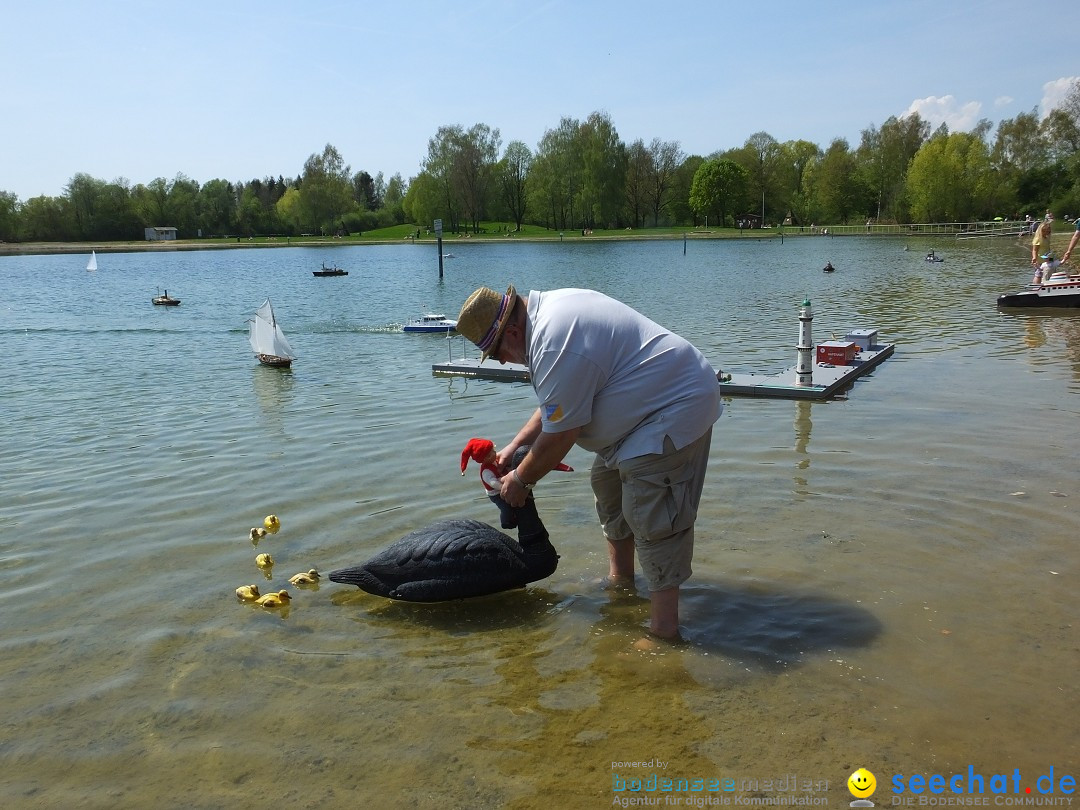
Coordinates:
<point>489,232</point>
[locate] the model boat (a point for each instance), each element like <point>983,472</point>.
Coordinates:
<point>431,323</point>
<point>1060,290</point>
<point>165,300</point>
<point>330,271</point>
<point>267,340</point>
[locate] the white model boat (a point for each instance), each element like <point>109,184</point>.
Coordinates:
<point>267,340</point>
<point>1060,290</point>
<point>431,323</point>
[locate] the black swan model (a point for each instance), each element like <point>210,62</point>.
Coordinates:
<point>458,559</point>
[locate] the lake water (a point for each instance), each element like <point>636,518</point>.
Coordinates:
<point>886,580</point>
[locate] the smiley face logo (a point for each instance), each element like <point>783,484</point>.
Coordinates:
<point>861,783</point>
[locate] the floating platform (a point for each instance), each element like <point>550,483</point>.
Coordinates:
<point>860,351</point>
<point>466,366</point>
<point>828,378</point>
<point>492,370</point>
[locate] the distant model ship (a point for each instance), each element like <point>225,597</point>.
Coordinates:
<point>431,323</point>
<point>330,271</point>
<point>165,300</point>
<point>267,340</point>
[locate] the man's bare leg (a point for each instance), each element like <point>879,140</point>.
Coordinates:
<point>664,617</point>
<point>621,559</point>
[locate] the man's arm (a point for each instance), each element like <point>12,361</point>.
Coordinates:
<point>547,450</point>
<point>527,435</point>
<point>1072,244</point>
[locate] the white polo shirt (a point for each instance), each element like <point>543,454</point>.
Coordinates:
<point>626,381</point>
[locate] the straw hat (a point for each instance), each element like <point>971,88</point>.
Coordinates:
<point>484,316</point>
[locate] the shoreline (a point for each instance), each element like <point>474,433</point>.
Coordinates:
<point>47,248</point>
<point>1058,241</point>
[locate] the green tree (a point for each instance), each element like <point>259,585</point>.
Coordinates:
<point>217,208</point>
<point>838,187</point>
<point>424,200</point>
<point>883,158</point>
<point>9,217</point>
<point>665,157</point>
<point>762,158</point>
<point>797,161</point>
<point>474,157</point>
<point>116,212</point>
<point>249,214</point>
<point>949,179</point>
<point>151,202</point>
<point>557,174</point>
<point>44,219</point>
<point>392,211</point>
<point>720,187</point>
<point>84,194</point>
<point>326,191</point>
<point>638,173</point>
<point>290,211</point>
<point>681,211</point>
<point>440,167</point>
<point>364,192</point>
<point>603,172</point>
<point>513,173</point>
<point>182,206</point>
<point>1019,145</point>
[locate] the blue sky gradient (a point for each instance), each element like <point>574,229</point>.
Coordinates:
<point>239,90</point>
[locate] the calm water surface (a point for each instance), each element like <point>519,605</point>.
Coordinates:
<point>884,580</point>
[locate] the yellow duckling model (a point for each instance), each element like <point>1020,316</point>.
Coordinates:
<point>310,578</point>
<point>247,593</point>
<point>272,523</point>
<point>264,560</point>
<point>279,599</point>
<point>257,534</point>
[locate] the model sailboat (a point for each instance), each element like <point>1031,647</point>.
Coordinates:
<point>267,340</point>
<point>92,264</point>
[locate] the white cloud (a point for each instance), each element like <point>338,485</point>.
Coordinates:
<point>937,110</point>
<point>1054,93</point>
<point>1003,101</point>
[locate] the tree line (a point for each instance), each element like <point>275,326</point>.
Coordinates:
<point>582,175</point>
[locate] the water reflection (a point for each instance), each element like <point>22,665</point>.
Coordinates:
<point>803,424</point>
<point>1058,331</point>
<point>274,392</point>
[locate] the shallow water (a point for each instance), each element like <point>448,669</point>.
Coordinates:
<point>884,580</point>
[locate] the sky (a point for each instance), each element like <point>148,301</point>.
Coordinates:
<point>239,90</point>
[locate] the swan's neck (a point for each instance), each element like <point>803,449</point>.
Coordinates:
<point>530,528</point>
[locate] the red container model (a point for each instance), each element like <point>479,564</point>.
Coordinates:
<point>837,352</point>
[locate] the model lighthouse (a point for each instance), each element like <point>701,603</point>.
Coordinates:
<point>804,369</point>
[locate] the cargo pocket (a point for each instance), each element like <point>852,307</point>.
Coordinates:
<point>661,503</point>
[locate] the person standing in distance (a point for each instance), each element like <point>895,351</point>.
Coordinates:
<point>640,397</point>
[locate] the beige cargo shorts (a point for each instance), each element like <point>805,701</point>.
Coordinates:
<point>655,499</point>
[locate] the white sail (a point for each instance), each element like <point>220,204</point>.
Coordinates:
<point>266,336</point>
<point>92,264</point>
